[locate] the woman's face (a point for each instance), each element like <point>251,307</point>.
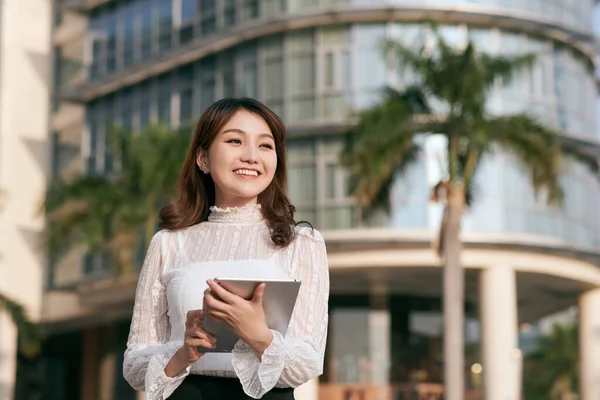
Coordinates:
<point>241,160</point>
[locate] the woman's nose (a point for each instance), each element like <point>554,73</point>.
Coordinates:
<point>250,154</point>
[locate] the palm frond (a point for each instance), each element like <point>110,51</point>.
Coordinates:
<point>30,334</point>
<point>382,145</point>
<point>504,67</point>
<point>106,212</point>
<point>555,361</point>
<point>437,71</point>
<point>536,147</point>
<point>80,209</point>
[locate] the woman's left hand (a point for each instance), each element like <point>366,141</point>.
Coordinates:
<point>244,317</point>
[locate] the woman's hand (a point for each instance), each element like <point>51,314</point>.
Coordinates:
<point>244,317</point>
<point>195,337</point>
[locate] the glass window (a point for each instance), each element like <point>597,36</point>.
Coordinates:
<point>370,35</point>
<point>329,70</point>
<point>208,16</point>
<point>188,10</point>
<point>145,15</point>
<point>306,214</point>
<point>340,217</point>
<point>126,109</point>
<point>301,78</point>
<point>164,99</point>
<point>249,10</point>
<point>128,33</point>
<point>207,83</point>
<point>165,24</point>
<point>300,41</point>
<point>335,35</point>
<point>228,13</point>
<point>370,69</point>
<point>408,34</point>
<point>302,184</point>
<point>272,78</point>
<point>111,41</point>
<point>207,5</point>
<point>143,95</point>
<point>228,79</point>
<point>299,151</point>
<point>330,181</point>
<point>249,84</point>
<point>96,38</point>
<point>273,7</point>
<point>186,94</point>
<point>302,109</point>
<point>482,39</point>
<point>346,69</point>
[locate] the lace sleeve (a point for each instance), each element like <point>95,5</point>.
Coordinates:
<point>148,349</point>
<point>297,358</point>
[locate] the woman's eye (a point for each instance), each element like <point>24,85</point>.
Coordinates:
<point>235,141</point>
<point>268,146</point>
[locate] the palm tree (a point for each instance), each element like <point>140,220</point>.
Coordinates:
<point>30,334</point>
<point>116,212</point>
<point>552,369</point>
<point>382,144</point>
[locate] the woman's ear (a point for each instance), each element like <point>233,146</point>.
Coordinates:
<point>202,161</point>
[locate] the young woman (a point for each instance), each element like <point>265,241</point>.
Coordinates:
<point>232,218</point>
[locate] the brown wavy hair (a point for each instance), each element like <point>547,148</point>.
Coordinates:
<point>196,190</point>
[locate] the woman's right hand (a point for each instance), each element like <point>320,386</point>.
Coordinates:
<point>196,337</point>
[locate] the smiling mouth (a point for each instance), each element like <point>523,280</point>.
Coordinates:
<point>246,172</point>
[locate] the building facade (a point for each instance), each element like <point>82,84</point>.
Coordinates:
<point>134,62</point>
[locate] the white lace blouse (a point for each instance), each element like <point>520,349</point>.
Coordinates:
<point>235,243</point>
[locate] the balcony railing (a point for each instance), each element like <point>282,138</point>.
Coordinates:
<point>402,391</point>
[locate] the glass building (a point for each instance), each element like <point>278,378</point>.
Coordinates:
<point>135,62</point>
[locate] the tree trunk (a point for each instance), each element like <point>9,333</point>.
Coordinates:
<point>453,297</point>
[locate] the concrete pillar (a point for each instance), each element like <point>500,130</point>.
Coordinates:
<point>498,315</point>
<point>379,338</point>
<point>25,76</point>
<point>308,391</point>
<point>589,344</point>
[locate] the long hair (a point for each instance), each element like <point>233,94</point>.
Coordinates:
<point>196,190</point>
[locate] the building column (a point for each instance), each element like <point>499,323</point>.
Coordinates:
<point>379,337</point>
<point>25,75</point>
<point>589,344</point>
<point>498,316</point>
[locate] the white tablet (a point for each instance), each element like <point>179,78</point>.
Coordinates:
<point>279,300</point>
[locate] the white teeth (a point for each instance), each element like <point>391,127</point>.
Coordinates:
<point>246,172</point>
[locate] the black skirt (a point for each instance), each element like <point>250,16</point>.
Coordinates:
<point>201,387</point>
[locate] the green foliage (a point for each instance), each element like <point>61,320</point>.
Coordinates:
<point>113,213</point>
<point>30,334</point>
<point>552,369</point>
<point>448,97</point>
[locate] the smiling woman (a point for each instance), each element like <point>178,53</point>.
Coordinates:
<point>242,162</point>
<point>232,218</point>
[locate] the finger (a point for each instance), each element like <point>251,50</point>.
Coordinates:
<point>259,293</point>
<point>221,292</point>
<point>211,303</point>
<point>220,316</point>
<point>201,334</point>
<point>201,343</point>
<point>192,316</point>
<point>198,321</point>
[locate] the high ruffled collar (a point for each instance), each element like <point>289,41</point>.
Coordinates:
<point>242,215</point>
